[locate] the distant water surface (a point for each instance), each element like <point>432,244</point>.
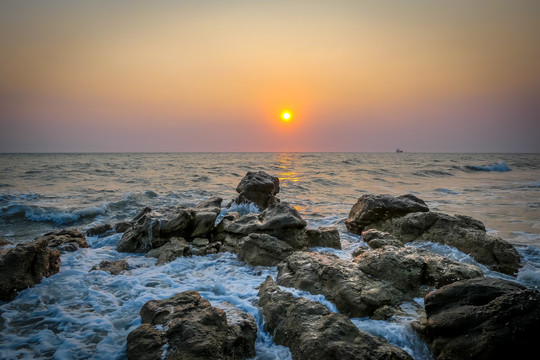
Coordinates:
<point>77,314</point>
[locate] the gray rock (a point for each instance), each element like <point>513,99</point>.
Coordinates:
<point>65,240</point>
<point>173,249</point>
<point>311,331</point>
<point>370,209</point>
<point>324,237</point>
<point>192,329</point>
<point>377,239</point>
<point>100,230</point>
<point>114,267</point>
<point>482,319</point>
<point>262,249</point>
<point>259,188</point>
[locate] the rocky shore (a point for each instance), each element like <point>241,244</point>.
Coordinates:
<point>466,314</point>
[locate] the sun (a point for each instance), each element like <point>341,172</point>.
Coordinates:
<point>286,116</point>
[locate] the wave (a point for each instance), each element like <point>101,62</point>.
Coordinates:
<point>431,173</point>
<point>57,216</point>
<point>498,166</point>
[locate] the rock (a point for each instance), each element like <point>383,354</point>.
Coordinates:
<point>200,242</point>
<point>324,237</point>
<point>122,226</point>
<point>258,188</point>
<point>114,267</point>
<point>100,230</point>
<point>408,268</point>
<point>175,248</point>
<point>280,222</point>
<point>152,229</point>
<point>311,331</point>
<point>262,249</point>
<point>482,319</point>
<point>4,242</point>
<point>377,239</point>
<point>65,240</point>
<point>25,265</point>
<point>463,233</point>
<point>370,209</point>
<point>190,328</point>
<point>342,282</point>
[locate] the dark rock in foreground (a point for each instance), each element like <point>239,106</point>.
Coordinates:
<point>482,319</point>
<point>311,331</point>
<point>377,239</point>
<point>407,218</point>
<point>25,265</point>
<point>65,240</point>
<point>259,188</point>
<point>186,326</point>
<point>114,267</point>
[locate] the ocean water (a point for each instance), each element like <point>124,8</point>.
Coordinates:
<point>77,314</point>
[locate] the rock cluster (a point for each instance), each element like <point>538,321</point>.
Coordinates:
<point>65,240</point>
<point>186,326</point>
<point>311,331</point>
<point>482,319</point>
<point>408,218</point>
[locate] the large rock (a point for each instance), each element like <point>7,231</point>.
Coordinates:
<point>186,326</point>
<point>377,239</point>
<point>175,248</point>
<point>65,240</point>
<point>152,229</point>
<point>482,319</point>
<point>258,188</point>
<point>462,232</point>
<point>341,281</point>
<point>311,331</point>
<point>370,209</point>
<point>25,265</point>
<point>408,268</point>
<point>281,224</point>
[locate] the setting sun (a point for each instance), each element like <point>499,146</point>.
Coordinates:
<point>286,116</point>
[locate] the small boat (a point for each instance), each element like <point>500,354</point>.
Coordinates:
<point>398,150</point>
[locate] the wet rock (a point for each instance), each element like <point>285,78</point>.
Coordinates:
<point>342,282</point>
<point>462,232</point>
<point>259,188</point>
<point>311,331</point>
<point>65,240</point>
<point>408,268</point>
<point>278,222</point>
<point>377,239</point>
<point>175,248</point>
<point>115,267</point>
<point>482,319</point>
<point>186,326</point>
<point>262,249</point>
<point>371,209</point>
<point>4,242</point>
<point>122,226</point>
<point>25,265</point>
<point>100,230</point>
<point>152,229</point>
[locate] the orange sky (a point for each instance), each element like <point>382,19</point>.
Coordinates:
<point>215,76</point>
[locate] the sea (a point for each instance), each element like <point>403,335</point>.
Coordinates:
<point>78,314</point>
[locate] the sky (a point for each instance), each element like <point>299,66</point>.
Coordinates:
<point>164,75</point>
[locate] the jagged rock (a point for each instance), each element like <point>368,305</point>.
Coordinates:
<point>152,229</point>
<point>4,242</point>
<point>482,319</point>
<point>462,232</point>
<point>191,328</point>
<point>175,248</point>
<point>278,222</point>
<point>370,209</point>
<point>340,281</point>
<point>311,331</point>
<point>408,268</point>
<point>259,188</point>
<point>262,249</point>
<point>122,226</point>
<point>377,239</point>
<point>25,265</point>
<point>65,240</point>
<point>100,230</point>
<point>114,267</point>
